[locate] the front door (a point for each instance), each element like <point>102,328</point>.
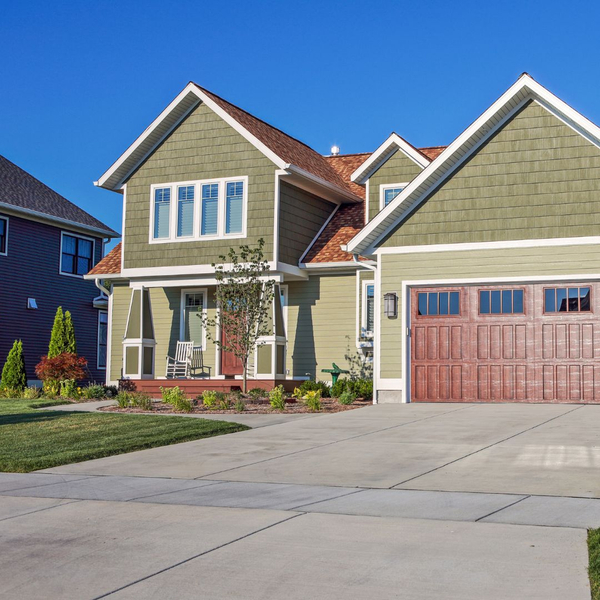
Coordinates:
<point>230,364</point>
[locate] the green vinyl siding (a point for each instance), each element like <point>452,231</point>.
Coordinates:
<point>397,169</point>
<point>301,216</point>
<point>263,359</point>
<point>449,266</point>
<point>322,325</point>
<point>121,298</point>
<point>535,178</point>
<point>203,146</point>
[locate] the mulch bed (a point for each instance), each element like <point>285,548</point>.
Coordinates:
<point>328,405</point>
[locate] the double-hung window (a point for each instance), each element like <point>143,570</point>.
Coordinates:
<point>368,309</point>
<point>199,210</point>
<point>76,255</point>
<point>3,235</point>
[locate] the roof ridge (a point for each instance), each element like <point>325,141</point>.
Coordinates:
<point>342,155</point>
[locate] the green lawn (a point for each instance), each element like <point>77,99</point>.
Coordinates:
<point>594,568</point>
<point>32,436</point>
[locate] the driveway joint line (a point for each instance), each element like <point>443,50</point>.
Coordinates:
<point>300,506</point>
<point>503,508</point>
<point>31,512</point>
<point>175,491</point>
<point>510,437</point>
<point>354,437</point>
<point>35,487</point>
<point>182,562</point>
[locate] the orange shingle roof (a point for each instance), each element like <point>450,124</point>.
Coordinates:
<point>110,264</point>
<point>289,149</point>
<point>432,152</point>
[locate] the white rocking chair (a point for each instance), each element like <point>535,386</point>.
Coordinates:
<point>180,365</point>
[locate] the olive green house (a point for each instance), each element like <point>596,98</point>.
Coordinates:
<point>460,273</point>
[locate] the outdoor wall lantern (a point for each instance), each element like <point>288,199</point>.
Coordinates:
<point>390,305</point>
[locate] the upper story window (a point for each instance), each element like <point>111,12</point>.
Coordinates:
<point>196,210</point>
<point>387,192</point>
<point>3,235</point>
<point>573,299</point>
<point>77,255</point>
<point>368,309</point>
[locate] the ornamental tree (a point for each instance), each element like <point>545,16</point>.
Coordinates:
<point>60,368</point>
<point>58,343</point>
<point>244,296</point>
<point>13,374</point>
<point>70,341</point>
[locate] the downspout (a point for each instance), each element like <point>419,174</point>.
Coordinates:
<point>376,335</point>
<point>102,289</point>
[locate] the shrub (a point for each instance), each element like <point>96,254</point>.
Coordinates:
<point>123,399</point>
<point>339,387</point>
<point>58,339</point>
<point>209,399</point>
<point>257,393</point>
<point>277,398</point>
<point>69,389</point>
<point>239,406</point>
<point>224,404</point>
<point>347,397</point>
<point>313,386</point>
<point>362,388</point>
<point>60,368</point>
<point>93,391</point>
<point>234,396</point>
<point>313,400</point>
<point>70,343</point>
<point>140,400</point>
<point>13,372</point>
<point>110,391</point>
<point>6,393</point>
<point>31,393</point>
<point>176,397</point>
<point>298,394</point>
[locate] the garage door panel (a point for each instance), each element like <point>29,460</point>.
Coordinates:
<point>488,353</point>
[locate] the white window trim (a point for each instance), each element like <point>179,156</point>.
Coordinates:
<point>75,235</point>
<point>104,368</point>
<point>5,218</point>
<point>204,292</point>
<point>197,227</point>
<point>388,186</point>
<point>363,318</point>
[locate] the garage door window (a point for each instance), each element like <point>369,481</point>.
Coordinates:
<point>573,299</point>
<point>501,302</point>
<point>438,303</point>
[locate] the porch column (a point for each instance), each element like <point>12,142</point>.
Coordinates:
<point>139,341</point>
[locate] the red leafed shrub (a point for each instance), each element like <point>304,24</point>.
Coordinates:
<point>62,367</point>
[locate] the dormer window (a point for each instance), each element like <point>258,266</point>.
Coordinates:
<point>387,192</point>
<point>201,210</point>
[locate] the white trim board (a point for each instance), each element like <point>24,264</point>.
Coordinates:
<point>522,91</point>
<point>529,243</point>
<point>327,221</point>
<point>392,144</point>
<point>6,219</point>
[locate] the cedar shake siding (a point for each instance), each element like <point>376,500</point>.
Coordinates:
<point>31,270</point>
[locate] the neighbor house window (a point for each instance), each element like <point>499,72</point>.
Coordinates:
<point>102,338</point>
<point>76,255</point>
<point>162,213</point>
<point>200,209</point>
<point>388,192</point>
<point>438,303</point>
<point>3,235</point>
<point>368,309</point>
<point>185,211</point>
<point>501,302</point>
<point>563,299</point>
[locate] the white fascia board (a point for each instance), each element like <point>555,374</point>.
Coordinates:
<point>523,90</point>
<point>393,143</point>
<point>336,265</point>
<point>336,190</point>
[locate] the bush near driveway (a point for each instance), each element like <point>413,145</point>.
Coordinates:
<point>33,437</point>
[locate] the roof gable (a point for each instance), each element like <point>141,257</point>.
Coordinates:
<point>23,193</point>
<point>284,151</point>
<point>393,144</point>
<point>450,159</point>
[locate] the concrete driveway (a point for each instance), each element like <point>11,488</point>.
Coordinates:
<point>409,501</point>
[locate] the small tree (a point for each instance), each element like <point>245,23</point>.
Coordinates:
<point>13,373</point>
<point>58,343</point>
<point>244,296</point>
<point>70,341</point>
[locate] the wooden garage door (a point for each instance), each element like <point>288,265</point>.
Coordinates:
<point>520,343</point>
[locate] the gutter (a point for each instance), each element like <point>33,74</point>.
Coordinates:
<point>367,264</point>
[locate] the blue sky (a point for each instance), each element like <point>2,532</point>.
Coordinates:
<point>81,80</point>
